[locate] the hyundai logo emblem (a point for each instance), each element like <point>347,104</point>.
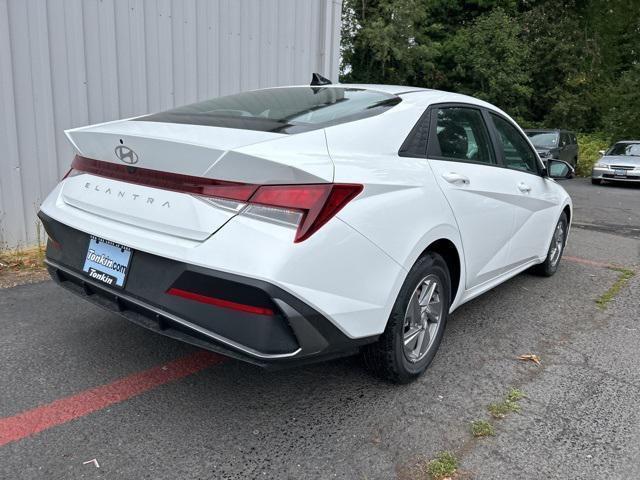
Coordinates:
<point>126,154</point>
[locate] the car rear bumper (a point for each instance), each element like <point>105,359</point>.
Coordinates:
<point>287,331</point>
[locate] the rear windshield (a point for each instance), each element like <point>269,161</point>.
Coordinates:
<point>281,110</point>
<point>543,139</point>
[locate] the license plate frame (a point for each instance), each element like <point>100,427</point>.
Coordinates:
<point>107,262</point>
<point>620,172</point>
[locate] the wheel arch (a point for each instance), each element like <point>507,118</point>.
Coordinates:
<point>445,240</point>
<point>567,211</point>
<point>449,252</point>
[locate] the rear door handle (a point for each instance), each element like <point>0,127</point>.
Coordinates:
<point>524,188</point>
<point>456,178</point>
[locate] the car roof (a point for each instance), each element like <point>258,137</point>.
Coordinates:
<point>547,130</point>
<point>421,96</point>
<point>416,96</point>
<point>392,89</point>
<point>628,141</point>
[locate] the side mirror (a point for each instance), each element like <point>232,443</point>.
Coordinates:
<point>601,152</point>
<point>558,169</point>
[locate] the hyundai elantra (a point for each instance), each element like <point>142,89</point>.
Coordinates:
<point>294,224</point>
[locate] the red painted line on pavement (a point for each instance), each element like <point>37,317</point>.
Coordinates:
<point>585,261</point>
<point>69,408</point>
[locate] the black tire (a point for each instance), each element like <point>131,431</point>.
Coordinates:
<point>387,358</point>
<point>596,181</point>
<point>549,267</point>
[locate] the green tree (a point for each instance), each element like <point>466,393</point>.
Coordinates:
<point>383,41</point>
<point>622,119</point>
<point>549,63</point>
<point>564,90</point>
<point>491,62</point>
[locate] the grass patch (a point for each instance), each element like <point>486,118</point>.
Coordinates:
<point>24,265</point>
<point>502,409</point>
<point>22,259</point>
<point>515,395</point>
<point>623,278</point>
<point>443,466</point>
<point>508,405</point>
<point>482,428</point>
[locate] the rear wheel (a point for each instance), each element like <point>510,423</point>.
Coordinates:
<point>596,181</point>
<point>551,263</point>
<point>416,324</point>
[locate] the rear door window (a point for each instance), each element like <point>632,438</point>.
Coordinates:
<point>517,154</point>
<point>460,134</point>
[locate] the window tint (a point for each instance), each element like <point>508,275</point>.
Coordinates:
<point>543,139</point>
<point>564,139</point>
<point>517,152</point>
<point>415,144</point>
<point>282,110</point>
<point>462,135</point>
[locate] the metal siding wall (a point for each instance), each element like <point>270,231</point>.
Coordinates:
<point>65,64</point>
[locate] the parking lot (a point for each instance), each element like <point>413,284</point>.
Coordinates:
<point>78,384</point>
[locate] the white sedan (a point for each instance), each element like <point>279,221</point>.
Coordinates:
<point>294,224</point>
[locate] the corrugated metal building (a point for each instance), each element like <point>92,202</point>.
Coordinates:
<point>68,63</point>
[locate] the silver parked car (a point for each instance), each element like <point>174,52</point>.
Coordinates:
<point>621,163</point>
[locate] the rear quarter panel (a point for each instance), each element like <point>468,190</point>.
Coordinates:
<point>402,209</point>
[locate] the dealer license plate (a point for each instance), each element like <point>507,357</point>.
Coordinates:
<point>107,262</point>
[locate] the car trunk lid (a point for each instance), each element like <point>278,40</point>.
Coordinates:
<point>174,158</point>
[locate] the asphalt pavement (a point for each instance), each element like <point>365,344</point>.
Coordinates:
<point>610,207</point>
<point>78,384</point>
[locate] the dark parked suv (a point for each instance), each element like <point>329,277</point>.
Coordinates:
<point>558,144</point>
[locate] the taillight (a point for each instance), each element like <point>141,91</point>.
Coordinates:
<point>208,187</point>
<point>315,204</point>
<point>306,207</point>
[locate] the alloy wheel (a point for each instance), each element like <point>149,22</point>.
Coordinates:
<point>557,243</point>
<point>422,318</point>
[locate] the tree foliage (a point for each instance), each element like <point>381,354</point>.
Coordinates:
<point>553,63</point>
<point>387,43</point>
<point>491,62</point>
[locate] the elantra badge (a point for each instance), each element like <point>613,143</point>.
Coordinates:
<point>127,155</point>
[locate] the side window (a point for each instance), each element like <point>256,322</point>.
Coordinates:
<point>517,153</point>
<point>415,145</point>
<point>461,134</point>
<point>564,139</point>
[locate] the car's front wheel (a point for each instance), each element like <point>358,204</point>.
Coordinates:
<point>596,181</point>
<point>416,324</point>
<point>554,254</point>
